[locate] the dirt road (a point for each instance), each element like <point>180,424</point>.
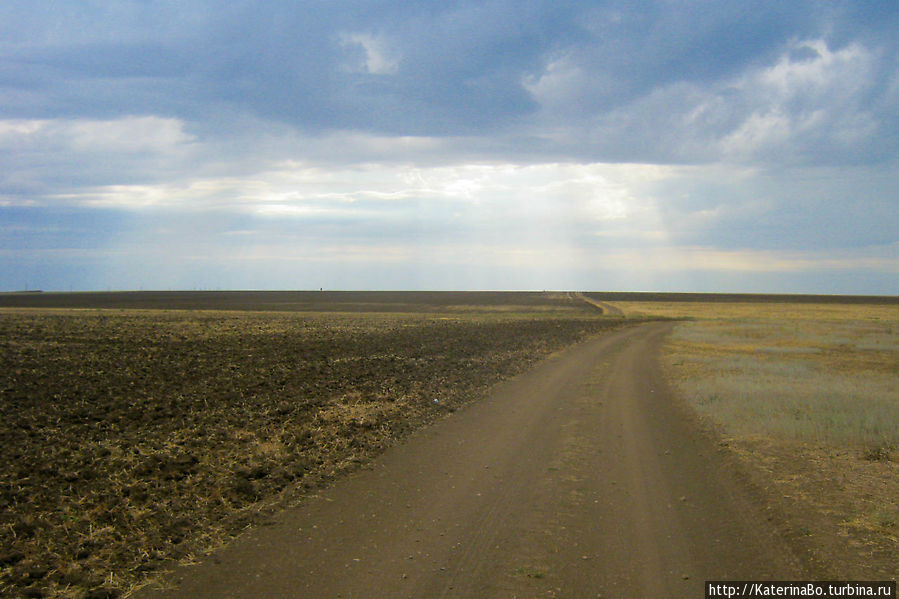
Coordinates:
<point>577,479</point>
<point>603,307</point>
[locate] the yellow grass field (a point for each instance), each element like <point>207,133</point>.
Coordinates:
<point>808,396</point>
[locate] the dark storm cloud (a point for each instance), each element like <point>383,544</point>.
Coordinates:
<point>459,66</point>
<point>438,68</point>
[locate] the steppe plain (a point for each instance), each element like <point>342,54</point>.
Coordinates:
<point>146,429</point>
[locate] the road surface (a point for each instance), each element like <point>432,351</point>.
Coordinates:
<point>577,479</point>
<point>603,307</point>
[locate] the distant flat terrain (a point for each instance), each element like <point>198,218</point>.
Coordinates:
<point>383,301</point>
<point>289,301</point>
<point>628,296</point>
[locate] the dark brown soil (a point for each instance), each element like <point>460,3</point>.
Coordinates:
<point>292,301</point>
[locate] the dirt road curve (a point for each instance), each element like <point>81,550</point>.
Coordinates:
<point>579,479</point>
<point>603,307</point>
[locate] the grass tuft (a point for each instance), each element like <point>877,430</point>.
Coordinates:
<point>878,453</point>
<point>530,572</point>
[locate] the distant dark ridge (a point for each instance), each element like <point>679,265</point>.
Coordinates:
<point>289,301</point>
<point>376,301</point>
<point>629,296</point>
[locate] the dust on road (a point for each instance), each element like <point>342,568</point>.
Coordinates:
<point>581,478</point>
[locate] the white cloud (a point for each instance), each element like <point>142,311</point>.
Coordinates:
<point>760,131</point>
<point>814,103</point>
<point>62,160</point>
<point>811,99</point>
<point>560,82</point>
<point>128,134</point>
<point>809,70</point>
<point>579,193</point>
<point>376,55</point>
<point>13,132</point>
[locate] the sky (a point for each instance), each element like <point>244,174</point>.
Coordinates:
<point>721,146</point>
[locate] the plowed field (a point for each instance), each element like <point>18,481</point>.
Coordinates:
<point>135,437</point>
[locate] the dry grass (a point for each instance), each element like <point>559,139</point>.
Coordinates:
<point>807,394</point>
<point>813,380</point>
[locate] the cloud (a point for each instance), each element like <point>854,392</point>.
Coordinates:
<point>375,58</point>
<point>812,104</point>
<point>663,82</point>
<point>477,136</point>
<point>57,160</point>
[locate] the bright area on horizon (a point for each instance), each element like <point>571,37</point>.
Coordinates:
<point>662,146</point>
